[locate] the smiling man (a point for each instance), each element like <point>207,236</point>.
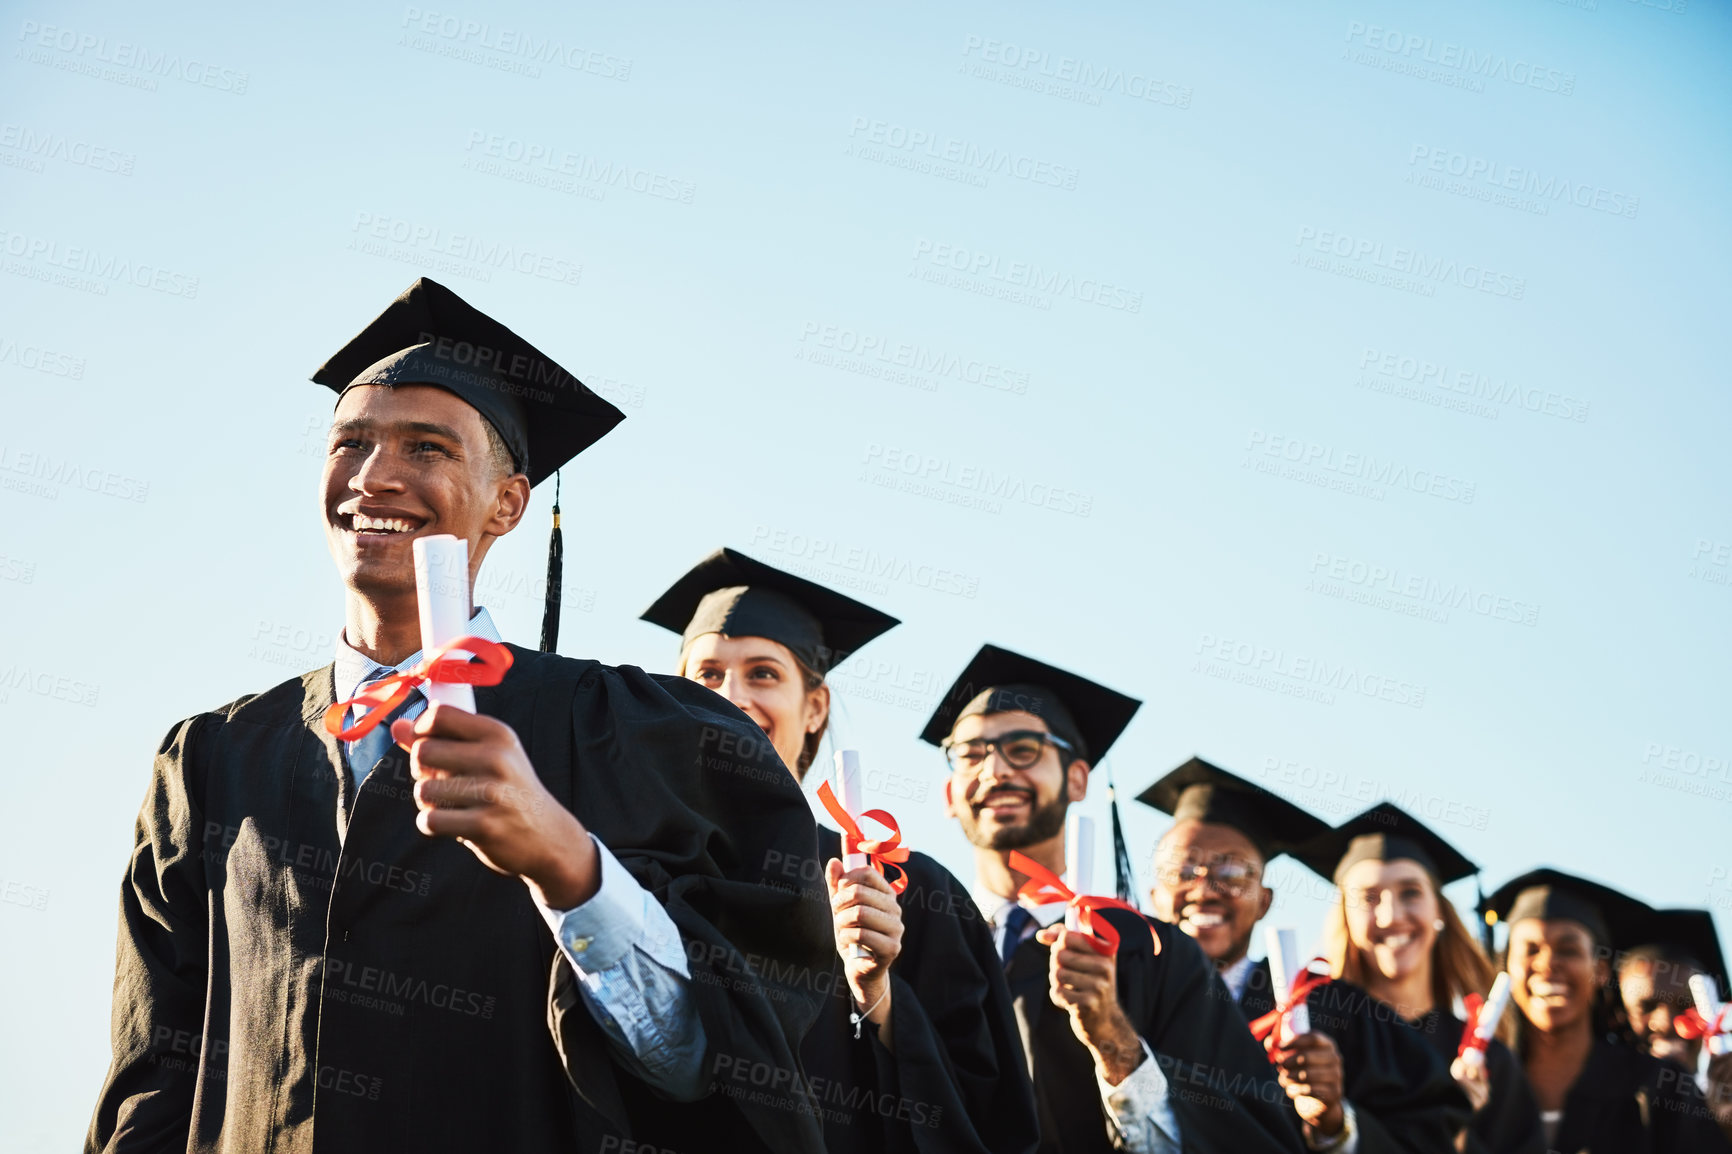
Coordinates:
<point>1132,1051</point>
<point>525,928</point>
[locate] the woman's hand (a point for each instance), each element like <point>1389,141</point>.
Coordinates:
<point>1470,1076</point>
<point>865,912</point>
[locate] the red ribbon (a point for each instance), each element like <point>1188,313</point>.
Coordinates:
<point>1044,886</point>
<point>1263,1029</point>
<point>1470,1039</point>
<point>386,694</point>
<point>1691,1024</point>
<point>882,852</point>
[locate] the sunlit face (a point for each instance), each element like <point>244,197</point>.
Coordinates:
<point>404,462</point>
<point>1554,972</point>
<point>1655,995</point>
<point>1209,883</point>
<point>762,678</point>
<point>1000,806</point>
<point>1392,912</point>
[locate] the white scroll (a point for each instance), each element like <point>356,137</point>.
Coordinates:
<point>1079,860</point>
<point>1283,949</point>
<point>442,593</point>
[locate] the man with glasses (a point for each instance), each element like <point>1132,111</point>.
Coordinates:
<point>1209,867</point>
<point>1127,1050</point>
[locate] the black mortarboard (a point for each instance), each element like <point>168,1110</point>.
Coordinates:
<point>730,593</point>
<point>1088,715</point>
<point>431,336</point>
<point>1385,832</point>
<point>1613,918</point>
<point>1687,933</point>
<point>1204,792</point>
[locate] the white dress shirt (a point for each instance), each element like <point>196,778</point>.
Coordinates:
<point>626,951</point>
<point>1138,1109</point>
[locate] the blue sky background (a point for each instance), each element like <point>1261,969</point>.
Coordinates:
<point>192,222</point>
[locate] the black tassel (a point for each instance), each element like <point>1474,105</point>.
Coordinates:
<point>555,579</point>
<point>1123,874</point>
<point>1485,935</point>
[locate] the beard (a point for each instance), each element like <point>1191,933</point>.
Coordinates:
<point>1045,822</point>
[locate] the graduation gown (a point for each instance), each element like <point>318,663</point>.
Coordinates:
<point>1402,1093</point>
<point>1509,1122</point>
<point>280,987</point>
<point>956,1082</point>
<point>1221,1086</point>
<point>1628,1102</point>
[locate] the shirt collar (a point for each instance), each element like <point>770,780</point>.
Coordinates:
<point>353,668</point>
<point>1237,976</point>
<point>995,907</point>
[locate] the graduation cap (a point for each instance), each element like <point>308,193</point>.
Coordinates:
<point>1689,934</point>
<point>545,416</point>
<point>1385,832</point>
<point>1615,919</point>
<point>1200,791</point>
<point>735,595</point>
<point>1088,715</point>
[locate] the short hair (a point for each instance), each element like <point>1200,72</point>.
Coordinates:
<point>504,464</point>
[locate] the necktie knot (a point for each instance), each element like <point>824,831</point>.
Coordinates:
<point>1016,926</point>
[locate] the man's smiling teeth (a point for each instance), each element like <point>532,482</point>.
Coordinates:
<point>1205,920</point>
<point>366,524</point>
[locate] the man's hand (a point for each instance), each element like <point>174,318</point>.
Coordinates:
<point>1310,1071</point>
<point>473,782</point>
<point>1086,983</point>
<point>865,911</point>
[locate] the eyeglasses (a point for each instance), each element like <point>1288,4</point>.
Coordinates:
<point>1229,877</point>
<point>1018,749</point>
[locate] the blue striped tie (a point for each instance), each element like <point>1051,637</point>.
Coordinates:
<point>1016,924</point>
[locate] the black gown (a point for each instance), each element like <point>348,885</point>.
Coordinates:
<point>281,987</point>
<point>1628,1102</point>
<point>1222,1089</point>
<point>956,1082</point>
<point>1401,1092</point>
<point>1509,1122</point>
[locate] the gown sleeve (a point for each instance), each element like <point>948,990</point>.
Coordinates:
<point>160,967</point>
<point>1401,1091</point>
<point>1509,1123</point>
<point>958,1060</point>
<point>693,801</point>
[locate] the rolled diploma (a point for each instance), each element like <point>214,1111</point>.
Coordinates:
<point>1282,947</point>
<point>848,789</point>
<point>1490,1014</point>
<point>442,594</point>
<point>1079,861</point>
<point>1708,1005</point>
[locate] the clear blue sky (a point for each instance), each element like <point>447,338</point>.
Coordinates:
<point>1342,379</point>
